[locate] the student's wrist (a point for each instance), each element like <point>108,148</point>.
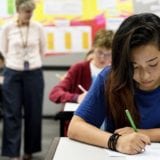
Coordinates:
<point>147,132</point>
<point>112,141</point>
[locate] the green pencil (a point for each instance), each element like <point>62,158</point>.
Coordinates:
<point>131,120</point>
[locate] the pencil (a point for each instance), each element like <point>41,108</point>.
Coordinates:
<point>81,88</point>
<point>131,120</point>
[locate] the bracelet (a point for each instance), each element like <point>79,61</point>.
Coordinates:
<point>112,142</point>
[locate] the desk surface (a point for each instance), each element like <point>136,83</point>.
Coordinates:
<point>67,149</point>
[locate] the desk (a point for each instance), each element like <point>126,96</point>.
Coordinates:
<point>66,149</point>
<point>65,117</point>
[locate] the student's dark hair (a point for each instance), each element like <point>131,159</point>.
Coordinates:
<point>137,30</point>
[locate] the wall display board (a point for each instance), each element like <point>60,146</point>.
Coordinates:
<point>68,39</point>
<point>68,20</point>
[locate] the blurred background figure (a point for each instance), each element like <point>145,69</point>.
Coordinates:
<point>22,44</point>
<point>74,86</point>
<point>84,73</point>
<point>88,57</point>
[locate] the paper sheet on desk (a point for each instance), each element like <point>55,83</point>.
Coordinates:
<point>70,107</point>
<point>152,152</point>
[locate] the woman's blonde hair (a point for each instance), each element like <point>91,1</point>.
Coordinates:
<point>25,4</point>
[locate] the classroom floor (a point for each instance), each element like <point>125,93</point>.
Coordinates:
<point>50,130</point>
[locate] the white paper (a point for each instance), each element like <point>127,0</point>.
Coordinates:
<point>3,10</point>
<point>113,23</point>
<point>70,107</point>
<point>62,7</point>
<point>68,149</point>
<point>152,152</point>
<point>106,4</point>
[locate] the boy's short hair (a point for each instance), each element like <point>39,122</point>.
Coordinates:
<point>103,38</point>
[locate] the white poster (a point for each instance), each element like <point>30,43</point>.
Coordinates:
<point>69,39</point>
<point>3,10</point>
<point>61,7</point>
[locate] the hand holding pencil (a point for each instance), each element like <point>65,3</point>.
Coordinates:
<point>131,141</point>
<point>81,96</point>
<point>127,130</point>
<point>81,88</point>
<point>131,120</point>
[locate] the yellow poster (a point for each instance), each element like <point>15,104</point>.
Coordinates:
<point>48,11</point>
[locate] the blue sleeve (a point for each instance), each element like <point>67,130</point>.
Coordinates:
<point>93,107</point>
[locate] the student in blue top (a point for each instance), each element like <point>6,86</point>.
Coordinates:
<point>133,83</point>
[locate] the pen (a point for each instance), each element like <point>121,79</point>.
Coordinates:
<point>81,88</point>
<point>131,120</point>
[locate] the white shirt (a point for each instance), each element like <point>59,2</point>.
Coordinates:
<point>94,71</point>
<point>12,39</point>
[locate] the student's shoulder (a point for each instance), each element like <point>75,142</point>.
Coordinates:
<point>81,64</point>
<point>79,67</point>
<point>9,25</point>
<point>105,72</point>
<point>36,24</point>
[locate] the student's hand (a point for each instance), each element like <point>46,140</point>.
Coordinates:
<point>132,143</point>
<point>125,130</point>
<point>81,97</point>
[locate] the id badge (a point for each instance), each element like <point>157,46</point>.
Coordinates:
<point>26,65</point>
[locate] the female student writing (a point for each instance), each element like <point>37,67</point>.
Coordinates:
<point>131,83</point>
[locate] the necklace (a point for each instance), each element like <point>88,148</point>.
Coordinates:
<point>25,45</point>
<point>23,37</point>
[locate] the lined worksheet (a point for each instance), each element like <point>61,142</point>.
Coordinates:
<point>152,152</point>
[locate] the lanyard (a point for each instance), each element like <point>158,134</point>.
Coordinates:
<point>23,37</point>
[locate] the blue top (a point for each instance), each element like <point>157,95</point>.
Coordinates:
<point>93,107</point>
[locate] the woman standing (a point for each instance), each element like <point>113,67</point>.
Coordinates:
<point>23,44</point>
